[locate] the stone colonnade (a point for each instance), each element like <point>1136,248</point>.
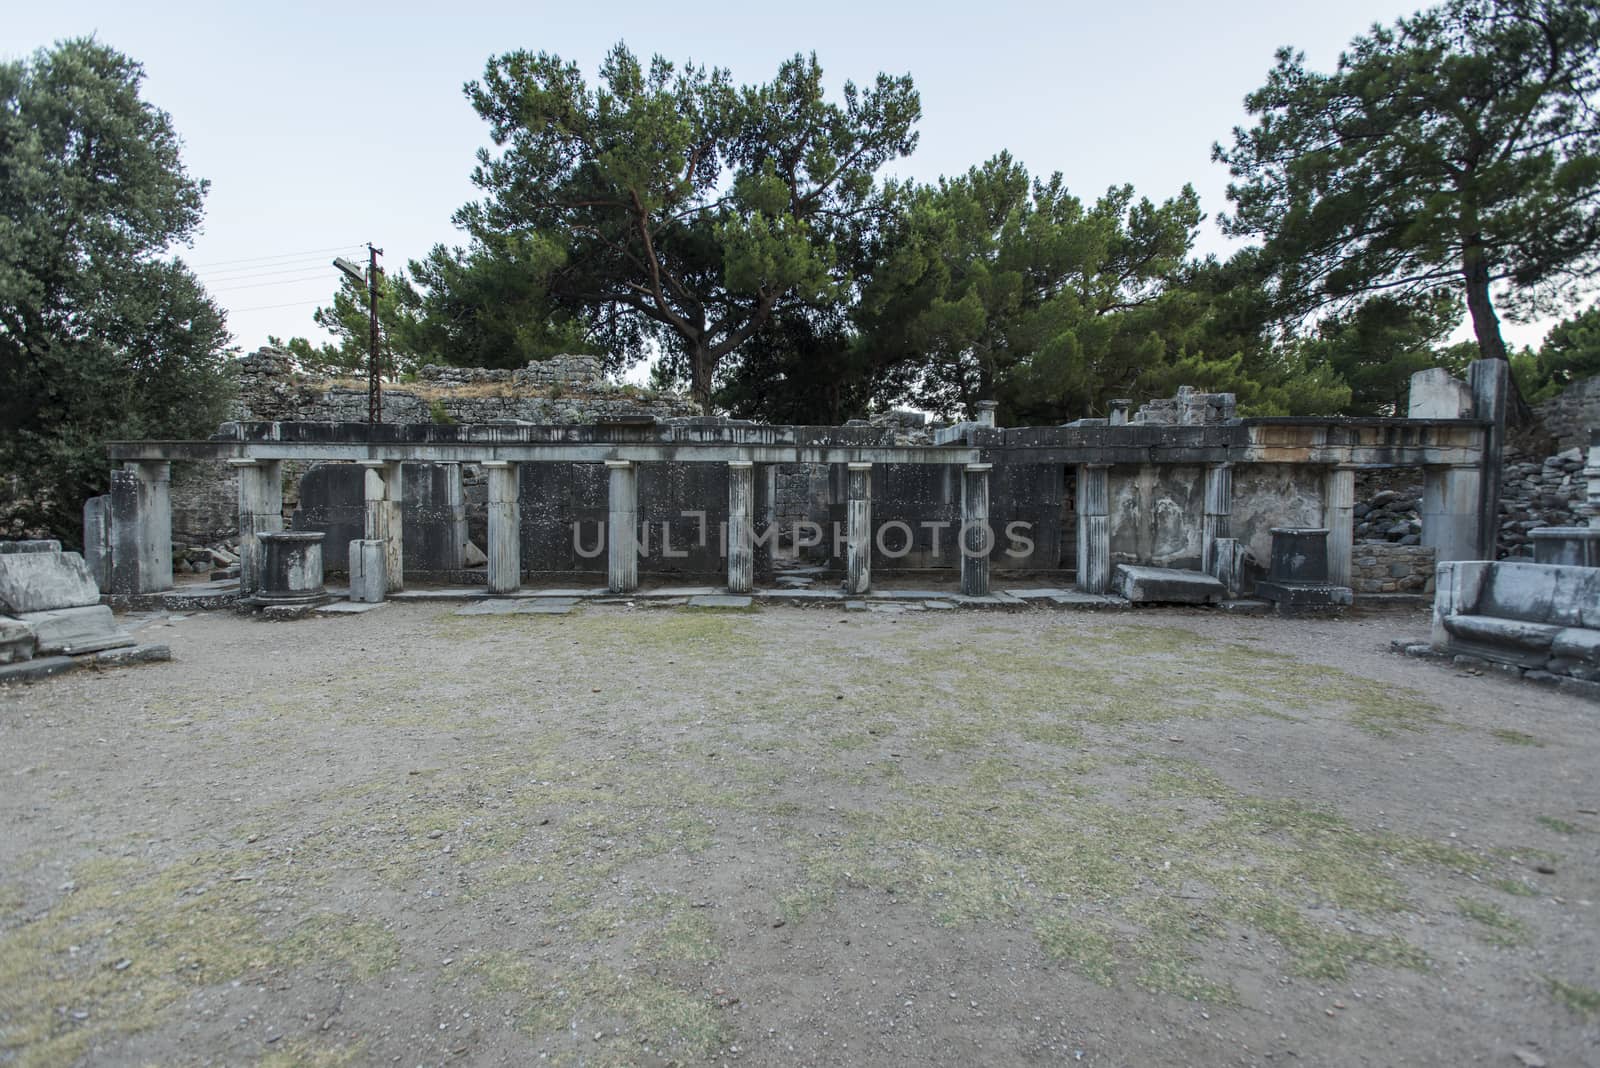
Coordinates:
<point>140,522</point>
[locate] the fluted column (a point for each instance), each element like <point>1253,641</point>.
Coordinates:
<point>977,537</point>
<point>1217,522</point>
<point>260,512</point>
<point>1338,515</point>
<point>622,527</point>
<point>1094,528</point>
<point>858,552</point>
<point>504,570</point>
<point>741,526</point>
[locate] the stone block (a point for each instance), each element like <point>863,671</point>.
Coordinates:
<point>1579,643</point>
<point>1167,585</point>
<point>85,629</point>
<point>1436,394</point>
<point>40,581</point>
<point>367,576</point>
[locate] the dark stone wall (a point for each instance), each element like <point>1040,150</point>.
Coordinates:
<point>554,497</point>
<point>332,500</point>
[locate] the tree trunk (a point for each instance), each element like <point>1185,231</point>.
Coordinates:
<point>1486,328</point>
<point>700,377</point>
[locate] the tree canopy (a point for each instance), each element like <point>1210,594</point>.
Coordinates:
<point>1456,151</point>
<point>102,335</point>
<point>673,209</point>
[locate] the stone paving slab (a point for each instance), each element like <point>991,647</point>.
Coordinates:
<point>518,606</point>
<point>799,595</point>
<point>460,593</point>
<point>679,591</point>
<point>1041,593</point>
<point>350,607</point>
<point>1079,599</point>
<point>564,592</point>
<point>720,600</point>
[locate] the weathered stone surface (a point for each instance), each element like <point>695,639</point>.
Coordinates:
<point>1437,394</point>
<point>37,545</point>
<point>84,629</point>
<point>718,600</point>
<point>39,581</point>
<point>367,580</point>
<point>31,670</point>
<point>1167,585</point>
<point>16,641</point>
<point>1500,631</point>
<point>1580,643</point>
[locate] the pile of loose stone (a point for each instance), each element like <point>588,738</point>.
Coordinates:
<point>1392,516</point>
<point>51,618</point>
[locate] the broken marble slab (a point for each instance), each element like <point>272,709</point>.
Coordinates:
<point>82,629</point>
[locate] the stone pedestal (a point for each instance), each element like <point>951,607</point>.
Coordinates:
<point>622,527</point>
<point>368,585</point>
<point>1338,515</point>
<point>384,490</point>
<point>260,512</point>
<point>141,527</point>
<point>858,544</point>
<point>1450,502</point>
<point>291,568</point>
<point>1094,528</point>
<point>1217,521</point>
<point>1297,578</point>
<point>1573,546</point>
<point>741,526</point>
<point>977,537</point>
<point>504,550</point>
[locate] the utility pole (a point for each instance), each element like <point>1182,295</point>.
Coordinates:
<point>374,358</point>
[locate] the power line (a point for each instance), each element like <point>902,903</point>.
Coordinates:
<point>269,307</point>
<point>301,268</point>
<point>234,274</point>
<point>281,255</point>
<point>322,275</point>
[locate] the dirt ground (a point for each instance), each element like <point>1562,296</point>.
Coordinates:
<point>796,836</point>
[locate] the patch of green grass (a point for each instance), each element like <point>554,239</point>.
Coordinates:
<point>1087,946</point>
<point>130,939</point>
<point>596,1016</point>
<point>1493,924</point>
<point>1560,826</point>
<point>1583,1000</point>
<point>1512,737</point>
<point>1514,887</point>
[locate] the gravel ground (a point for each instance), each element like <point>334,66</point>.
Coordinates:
<point>796,836</point>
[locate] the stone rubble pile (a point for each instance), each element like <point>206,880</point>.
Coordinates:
<point>1389,516</point>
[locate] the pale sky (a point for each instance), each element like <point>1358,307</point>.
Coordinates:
<point>321,127</point>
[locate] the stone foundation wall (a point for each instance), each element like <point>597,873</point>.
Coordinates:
<point>1378,568</point>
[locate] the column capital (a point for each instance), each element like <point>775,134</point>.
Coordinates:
<point>856,465</point>
<point>978,469</point>
<point>619,465</point>
<point>249,462</point>
<point>741,464</point>
<point>374,464</point>
<point>499,464</point>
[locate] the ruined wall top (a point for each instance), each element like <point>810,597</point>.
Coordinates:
<point>561,389</point>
